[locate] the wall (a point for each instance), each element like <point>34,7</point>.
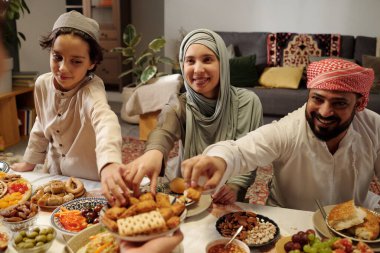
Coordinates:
<point>350,17</point>
<point>43,14</point>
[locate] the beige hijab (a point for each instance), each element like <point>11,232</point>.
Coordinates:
<point>209,121</point>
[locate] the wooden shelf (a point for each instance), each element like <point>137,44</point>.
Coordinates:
<point>9,103</point>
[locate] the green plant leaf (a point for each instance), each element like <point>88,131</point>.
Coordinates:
<point>148,73</point>
<point>136,40</point>
<point>143,58</point>
<point>159,74</point>
<point>157,44</point>
<point>129,34</point>
<point>127,60</point>
<point>126,73</point>
<point>165,60</point>
<point>128,52</point>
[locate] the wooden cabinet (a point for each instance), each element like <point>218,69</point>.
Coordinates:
<point>112,16</point>
<point>19,97</point>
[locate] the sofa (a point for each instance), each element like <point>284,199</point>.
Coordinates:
<point>278,102</point>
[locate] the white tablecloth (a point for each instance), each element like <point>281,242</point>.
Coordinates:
<point>198,230</point>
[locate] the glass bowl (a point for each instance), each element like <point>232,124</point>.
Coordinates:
<point>31,245</point>
<point>223,241</point>
<point>15,226</point>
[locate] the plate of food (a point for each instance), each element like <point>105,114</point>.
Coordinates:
<point>354,222</point>
<point>14,190</point>
<point>258,230</point>
<point>56,192</point>
<point>145,218</point>
<point>76,215</point>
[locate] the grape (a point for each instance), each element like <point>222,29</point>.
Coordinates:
<point>296,246</point>
<point>296,238</point>
<point>288,246</point>
<point>310,231</point>
<point>306,248</point>
<point>303,239</point>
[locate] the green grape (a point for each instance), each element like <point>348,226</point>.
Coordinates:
<point>311,237</point>
<point>306,248</point>
<point>325,250</point>
<point>313,250</point>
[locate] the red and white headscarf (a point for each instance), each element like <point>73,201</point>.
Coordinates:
<point>340,75</point>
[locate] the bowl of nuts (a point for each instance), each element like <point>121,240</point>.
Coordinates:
<point>218,246</point>
<point>258,230</point>
<point>20,217</point>
<point>34,239</point>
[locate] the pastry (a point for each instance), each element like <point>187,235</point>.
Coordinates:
<point>177,185</point>
<point>345,215</point>
<point>369,229</point>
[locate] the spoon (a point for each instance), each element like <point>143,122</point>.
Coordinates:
<point>233,237</point>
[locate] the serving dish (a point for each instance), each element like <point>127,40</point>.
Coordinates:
<point>78,242</point>
<point>279,246</point>
<point>200,206</point>
<point>76,204</point>
<point>260,219</point>
<point>47,232</point>
<point>322,226</point>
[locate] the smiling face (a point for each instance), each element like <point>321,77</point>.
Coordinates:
<point>201,70</point>
<point>330,113</point>
<point>69,61</point>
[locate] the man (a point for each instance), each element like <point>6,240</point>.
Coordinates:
<point>329,149</point>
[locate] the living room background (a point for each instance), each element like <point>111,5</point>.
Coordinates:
<point>167,17</point>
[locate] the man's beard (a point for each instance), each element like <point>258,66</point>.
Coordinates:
<point>325,133</point>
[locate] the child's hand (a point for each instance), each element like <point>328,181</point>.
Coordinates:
<point>113,186</point>
<point>24,166</point>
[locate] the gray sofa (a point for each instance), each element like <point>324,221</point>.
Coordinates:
<point>277,102</point>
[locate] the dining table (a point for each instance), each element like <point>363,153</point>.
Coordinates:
<point>198,229</point>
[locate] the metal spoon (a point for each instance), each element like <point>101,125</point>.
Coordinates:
<point>233,237</point>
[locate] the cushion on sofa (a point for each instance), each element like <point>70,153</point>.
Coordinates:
<point>281,77</point>
<point>364,46</point>
<point>243,71</point>
<point>230,51</point>
<point>320,58</point>
<point>347,45</point>
<point>374,63</point>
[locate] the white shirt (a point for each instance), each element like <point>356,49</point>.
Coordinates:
<point>303,167</point>
<point>75,131</point>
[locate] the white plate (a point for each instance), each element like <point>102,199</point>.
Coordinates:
<point>200,206</point>
<point>144,238</point>
<point>325,229</point>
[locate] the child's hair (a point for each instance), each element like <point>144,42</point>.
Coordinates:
<point>96,51</point>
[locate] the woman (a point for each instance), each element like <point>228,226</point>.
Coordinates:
<point>210,110</point>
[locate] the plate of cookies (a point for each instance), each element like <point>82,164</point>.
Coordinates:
<point>57,192</point>
<point>144,218</point>
<point>354,222</point>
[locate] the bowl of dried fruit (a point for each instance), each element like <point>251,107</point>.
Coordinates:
<point>20,217</point>
<point>258,230</point>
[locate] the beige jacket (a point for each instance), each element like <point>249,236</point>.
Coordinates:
<point>75,131</point>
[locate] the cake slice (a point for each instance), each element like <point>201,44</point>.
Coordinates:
<point>345,215</point>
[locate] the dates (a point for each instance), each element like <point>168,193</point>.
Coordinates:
<point>20,212</point>
<point>92,214</point>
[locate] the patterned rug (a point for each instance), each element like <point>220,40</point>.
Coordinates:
<point>293,50</point>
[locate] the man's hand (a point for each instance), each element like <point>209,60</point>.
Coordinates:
<point>113,185</point>
<point>211,167</point>
<point>158,245</point>
<point>226,195</point>
<point>149,164</point>
<point>22,167</point>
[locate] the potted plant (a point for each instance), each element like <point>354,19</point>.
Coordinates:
<point>12,11</point>
<point>143,67</point>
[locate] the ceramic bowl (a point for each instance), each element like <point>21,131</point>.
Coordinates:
<point>76,204</point>
<point>223,241</point>
<point>21,247</point>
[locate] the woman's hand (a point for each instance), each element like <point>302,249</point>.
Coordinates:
<point>164,244</point>
<point>226,195</point>
<point>113,185</point>
<point>149,164</point>
<point>24,166</point>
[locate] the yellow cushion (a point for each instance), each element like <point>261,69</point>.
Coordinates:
<point>281,77</point>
